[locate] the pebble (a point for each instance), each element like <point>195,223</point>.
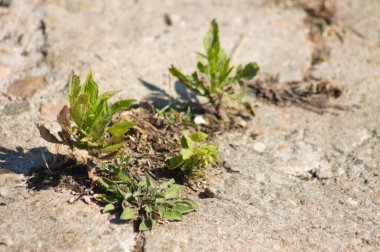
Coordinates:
<point>26,87</point>
<point>209,192</point>
<point>16,108</point>
<point>172,19</point>
<point>259,147</point>
<point>71,200</point>
<point>376,199</point>
<point>4,70</point>
<point>199,120</point>
<point>352,202</point>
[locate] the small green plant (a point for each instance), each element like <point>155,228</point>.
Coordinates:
<point>213,77</point>
<point>171,115</point>
<point>146,201</point>
<point>195,154</point>
<point>87,123</point>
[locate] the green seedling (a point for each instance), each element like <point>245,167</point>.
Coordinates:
<point>195,154</point>
<point>213,77</point>
<point>87,124</point>
<point>171,115</point>
<point>146,202</point>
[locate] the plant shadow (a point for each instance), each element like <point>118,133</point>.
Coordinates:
<point>46,169</point>
<point>24,161</point>
<point>183,99</point>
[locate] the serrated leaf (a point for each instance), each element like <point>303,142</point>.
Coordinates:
<point>121,127</point>
<point>128,214</point>
<point>173,215</point>
<point>90,88</point>
<point>121,105</point>
<point>198,136</point>
<point>107,95</point>
<point>108,207</point>
<point>79,110</point>
<point>74,88</point>
<point>212,36</point>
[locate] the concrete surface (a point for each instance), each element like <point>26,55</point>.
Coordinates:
<point>309,182</point>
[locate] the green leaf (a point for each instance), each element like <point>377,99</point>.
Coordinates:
<point>107,95</point>
<point>121,105</point>
<point>186,141</point>
<point>106,183</point>
<point>79,110</point>
<point>173,191</point>
<point>173,215</point>
<point>146,224</point>
<point>249,71</point>
<point>249,108</point>
<point>166,184</point>
<point>151,182</point>
<point>182,208</point>
<point>186,153</point>
<point>108,198</point>
<point>124,177</point>
<point>128,214</point>
<point>112,148</point>
<point>212,36</point>
<point>90,88</point>
<point>121,127</point>
<point>190,202</point>
<point>108,207</point>
<point>176,73</point>
<point>74,88</point>
<point>198,136</point>
<point>175,162</point>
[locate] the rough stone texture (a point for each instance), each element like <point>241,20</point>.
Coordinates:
<point>26,87</point>
<point>308,182</point>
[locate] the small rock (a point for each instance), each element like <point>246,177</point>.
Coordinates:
<point>352,202</point>
<point>199,120</point>
<point>210,192</point>
<point>172,19</point>
<point>26,87</point>
<point>71,200</point>
<point>355,242</point>
<point>259,147</point>
<point>4,70</point>
<point>16,108</point>
<point>242,123</point>
<point>376,199</point>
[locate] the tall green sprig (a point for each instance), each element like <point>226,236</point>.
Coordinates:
<point>213,77</point>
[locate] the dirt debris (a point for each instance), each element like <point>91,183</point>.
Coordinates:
<point>314,94</point>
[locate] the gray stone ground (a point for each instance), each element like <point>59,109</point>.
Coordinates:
<point>271,202</point>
